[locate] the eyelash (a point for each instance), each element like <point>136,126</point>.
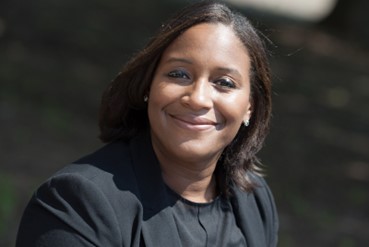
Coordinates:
<point>178,74</point>
<point>224,83</point>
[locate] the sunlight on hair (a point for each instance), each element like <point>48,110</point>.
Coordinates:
<point>312,10</point>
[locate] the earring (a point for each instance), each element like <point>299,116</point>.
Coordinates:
<point>246,122</point>
<point>146,98</point>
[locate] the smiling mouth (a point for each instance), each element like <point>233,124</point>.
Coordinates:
<point>194,123</point>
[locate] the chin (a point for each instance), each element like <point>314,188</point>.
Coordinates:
<point>197,151</point>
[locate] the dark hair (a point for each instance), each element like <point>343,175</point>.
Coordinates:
<point>123,111</point>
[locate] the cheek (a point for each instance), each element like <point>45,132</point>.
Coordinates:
<point>154,102</point>
<point>234,109</point>
<point>161,96</point>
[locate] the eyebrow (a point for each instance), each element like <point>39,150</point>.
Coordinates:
<point>230,71</point>
<point>188,61</point>
<point>178,59</point>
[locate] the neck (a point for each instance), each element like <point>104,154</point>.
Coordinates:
<point>192,178</point>
<point>192,184</point>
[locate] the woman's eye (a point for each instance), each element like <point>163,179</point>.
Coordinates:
<point>178,74</point>
<point>225,83</point>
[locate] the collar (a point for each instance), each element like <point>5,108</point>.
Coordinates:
<point>148,173</point>
<point>158,222</point>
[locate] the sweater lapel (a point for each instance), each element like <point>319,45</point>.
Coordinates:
<point>248,217</point>
<point>158,222</point>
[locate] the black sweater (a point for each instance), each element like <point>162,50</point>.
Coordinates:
<point>116,197</point>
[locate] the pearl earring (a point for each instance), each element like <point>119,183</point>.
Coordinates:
<point>146,98</point>
<point>246,122</point>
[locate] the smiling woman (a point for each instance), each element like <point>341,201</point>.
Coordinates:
<point>184,121</point>
<point>198,100</point>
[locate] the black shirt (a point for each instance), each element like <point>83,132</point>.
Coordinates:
<point>116,197</point>
<point>205,224</point>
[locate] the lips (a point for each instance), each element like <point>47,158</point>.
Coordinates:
<point>193,122</point>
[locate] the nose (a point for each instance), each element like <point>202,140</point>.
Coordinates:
<point>198,95</point>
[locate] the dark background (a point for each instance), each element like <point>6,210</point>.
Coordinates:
<point>56,57</point>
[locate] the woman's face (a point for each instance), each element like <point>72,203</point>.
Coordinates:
<point>200,94</point>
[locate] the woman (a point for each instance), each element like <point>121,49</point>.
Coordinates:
<point>184,121</point>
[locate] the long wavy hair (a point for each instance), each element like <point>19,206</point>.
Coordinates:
<point>123,112</point>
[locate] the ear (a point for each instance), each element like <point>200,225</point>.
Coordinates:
<point>247,115</point>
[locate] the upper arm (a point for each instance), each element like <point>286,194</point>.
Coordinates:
<point>267,205</point>
<point>69,210</point>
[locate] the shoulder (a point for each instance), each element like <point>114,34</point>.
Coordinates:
<point>261,189</point>
<point>103,177</point>
<point>258,206</point>
<point>110,165</point>
<point>84,201</point>
<point>107,172</point>
<point>264,197</point>
<point>268,209</point>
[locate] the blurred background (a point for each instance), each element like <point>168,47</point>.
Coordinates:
<point>57,56</point>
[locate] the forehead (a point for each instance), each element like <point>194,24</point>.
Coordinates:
<point>210,33</point>
<point>211,43</point>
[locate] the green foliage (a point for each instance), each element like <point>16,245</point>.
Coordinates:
<point>347,242</point>
<point>7,202</point>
